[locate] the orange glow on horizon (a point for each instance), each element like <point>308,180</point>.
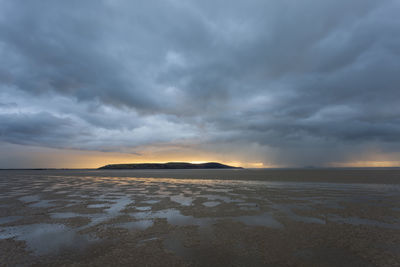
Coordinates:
<point>76,159</point>
<point>366,164</point>
<point>95,161</point>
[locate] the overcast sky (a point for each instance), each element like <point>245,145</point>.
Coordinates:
<point>253,82</point>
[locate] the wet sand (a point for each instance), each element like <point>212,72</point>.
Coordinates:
<point>200,218</point>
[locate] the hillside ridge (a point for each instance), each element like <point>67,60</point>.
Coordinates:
<point>169,165</point>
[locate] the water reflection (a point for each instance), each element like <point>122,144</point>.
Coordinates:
<point>265,219</point>
<point>47,202</point>
<point>45,238</point>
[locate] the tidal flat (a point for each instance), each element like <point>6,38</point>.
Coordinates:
<point>200,218</point>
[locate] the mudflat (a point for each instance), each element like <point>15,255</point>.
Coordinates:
<point>368,175</point>
<point>200,217</point>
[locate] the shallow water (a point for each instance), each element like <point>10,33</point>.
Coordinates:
<point>265,219</point>
<point>8,219</point>
<point>173,217</point>
<point>136,225</point>
<point>182,200</point>
<point>57,213</point>
<point>211,203</point>
<point>46,238</point>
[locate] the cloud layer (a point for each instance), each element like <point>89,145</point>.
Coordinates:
<point>279,82</point>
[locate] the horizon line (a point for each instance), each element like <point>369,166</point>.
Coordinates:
<point>244,168</point>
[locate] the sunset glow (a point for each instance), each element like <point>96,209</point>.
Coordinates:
<point>261,84</point>
<point>199,133</point>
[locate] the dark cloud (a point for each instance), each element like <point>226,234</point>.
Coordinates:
<point>286,80</point>
<point>36,129</point>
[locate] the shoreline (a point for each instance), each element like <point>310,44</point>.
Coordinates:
<point>357,176</point>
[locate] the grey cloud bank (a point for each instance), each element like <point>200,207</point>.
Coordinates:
<point>281,82</point>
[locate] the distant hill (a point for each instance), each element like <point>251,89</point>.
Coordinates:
<point>169,165</point>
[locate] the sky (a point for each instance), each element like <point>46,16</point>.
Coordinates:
<point>256,83</point>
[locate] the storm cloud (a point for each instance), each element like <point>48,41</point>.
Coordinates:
<point>285,83</point>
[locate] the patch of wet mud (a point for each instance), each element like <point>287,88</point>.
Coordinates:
<point>91,220</point>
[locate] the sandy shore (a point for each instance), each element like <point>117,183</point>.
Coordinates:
<point>243,218</point>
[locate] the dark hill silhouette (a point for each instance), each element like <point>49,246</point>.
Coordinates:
<point>170,165</point>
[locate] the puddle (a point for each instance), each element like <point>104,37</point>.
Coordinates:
<point>184,201</point>
<point>42,204</point>
<point>143,208</point>
<point>118,206</point>
<point>173,217</point>
<point>9,219</point>
<point>46,238</point>
<point>113,210</point>
<point>221,198</point>
<point>137,225</point>
<point>265,219</point>
<point>211,204</point>
<point>31,198</point>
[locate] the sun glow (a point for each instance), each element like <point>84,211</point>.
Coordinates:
<point>376,164</point>
<point>197,162</point>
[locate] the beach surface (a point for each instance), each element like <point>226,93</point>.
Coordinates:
<point>315,217</point>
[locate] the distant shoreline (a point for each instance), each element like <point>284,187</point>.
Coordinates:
<point>346,176</point>
<point>239,168</point>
